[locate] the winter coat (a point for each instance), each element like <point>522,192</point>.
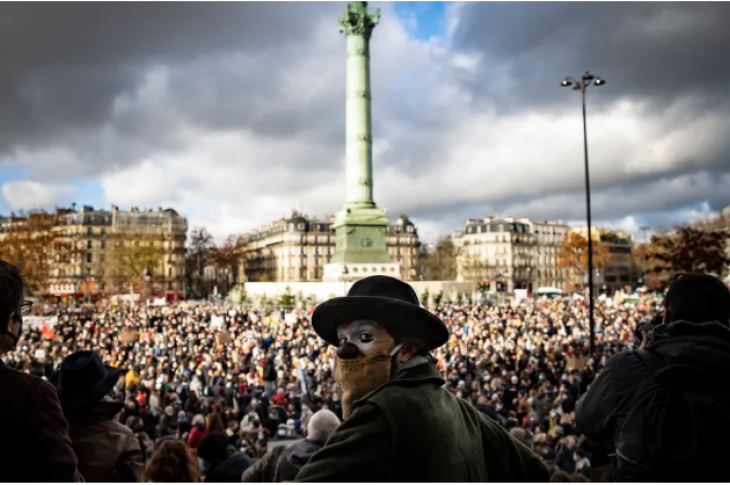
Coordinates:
<point>411,430</point>
<point>107,450</point>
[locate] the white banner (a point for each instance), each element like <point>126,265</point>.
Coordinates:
<point>216,321</point>
<point>38,322</point>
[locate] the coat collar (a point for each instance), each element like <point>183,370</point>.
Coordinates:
<point>407,376</point>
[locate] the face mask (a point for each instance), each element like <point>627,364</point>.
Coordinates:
<point>18,317</point>
<point>359,377</point>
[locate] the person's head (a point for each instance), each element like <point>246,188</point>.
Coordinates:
<point>697,298</point>
<point>199,422</point>
<point>570,442</point>
<point>213,448</point>
<point>321,426</point>
<point>173,461</point>
<point>11,306</point>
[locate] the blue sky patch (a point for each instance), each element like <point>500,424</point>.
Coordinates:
<point>423,20</point>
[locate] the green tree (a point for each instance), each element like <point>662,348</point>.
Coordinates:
<point>199,254</point>
<point>440,261</point>
<point>286,300</point>
<point>129,257</point>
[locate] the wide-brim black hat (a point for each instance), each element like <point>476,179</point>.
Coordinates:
<point>385,300</point>
<point>83,379</point>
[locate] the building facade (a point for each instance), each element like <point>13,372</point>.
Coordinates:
<point>93,237</point>
<point>621,271</point>
<point>510,253</point>
<point>295,249</point>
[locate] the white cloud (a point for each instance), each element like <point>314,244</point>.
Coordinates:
<point>439,154</point>
<point>27,194</point>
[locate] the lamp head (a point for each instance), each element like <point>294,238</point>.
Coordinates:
<point>588,77</point>
<point>566,82</point>
<point>599,82</point>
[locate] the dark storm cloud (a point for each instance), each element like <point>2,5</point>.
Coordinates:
<point>650,51</point>
<point>62,65</point>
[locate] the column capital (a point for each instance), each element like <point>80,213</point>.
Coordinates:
<point>356,20</point>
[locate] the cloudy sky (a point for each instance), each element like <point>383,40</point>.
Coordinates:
<point>233,113</point>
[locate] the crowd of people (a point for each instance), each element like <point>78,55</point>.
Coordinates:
<point>368,387</point>
<point>249,378</point>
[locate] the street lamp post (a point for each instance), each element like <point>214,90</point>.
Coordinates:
<point>644,229</point>
<point>582,85</point>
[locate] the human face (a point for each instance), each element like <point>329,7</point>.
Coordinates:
<point>369,337</point>
<point>14,326</point>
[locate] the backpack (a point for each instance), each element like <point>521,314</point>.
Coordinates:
<point>677,424</point>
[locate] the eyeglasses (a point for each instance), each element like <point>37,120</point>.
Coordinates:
<point>25,308</point>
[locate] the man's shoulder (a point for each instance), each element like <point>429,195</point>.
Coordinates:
<point>409,393</point>
<point>626,361</point>
<point>20,385</point>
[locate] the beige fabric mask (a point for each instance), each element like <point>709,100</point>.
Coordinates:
<point>361,376</point>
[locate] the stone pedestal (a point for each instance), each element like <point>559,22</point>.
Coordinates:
<point>351,272</point>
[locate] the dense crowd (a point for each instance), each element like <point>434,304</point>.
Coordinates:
<point>257,377</point>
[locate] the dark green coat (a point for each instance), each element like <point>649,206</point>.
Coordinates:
<point>412,430</point>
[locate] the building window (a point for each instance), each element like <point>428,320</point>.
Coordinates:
<point>300,226</point>
<point>88,257</point>
<point>88,244</point>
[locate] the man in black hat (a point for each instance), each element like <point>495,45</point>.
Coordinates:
<point>400,425</point>
<point>107,450</point>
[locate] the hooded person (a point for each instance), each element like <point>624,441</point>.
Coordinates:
<point>400,424</point>
<point>107,450</point>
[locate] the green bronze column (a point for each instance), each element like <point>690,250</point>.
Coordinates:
<point>358,26</point>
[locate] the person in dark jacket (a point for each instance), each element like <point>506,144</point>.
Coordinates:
<point>221,466</point>
<point>35,445</point>
<point>283,463</point>
<point>400,424</point>
<point>107,450</point>
<point>564,459</point>
<point>696,326</point>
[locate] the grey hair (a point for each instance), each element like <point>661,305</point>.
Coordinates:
<point>321,425</point>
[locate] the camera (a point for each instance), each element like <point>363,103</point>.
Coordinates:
<point>647,326</point>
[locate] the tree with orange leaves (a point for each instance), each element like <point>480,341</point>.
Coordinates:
<point>655,272</point>
<point>37,244</point>
<point>573,254</point>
